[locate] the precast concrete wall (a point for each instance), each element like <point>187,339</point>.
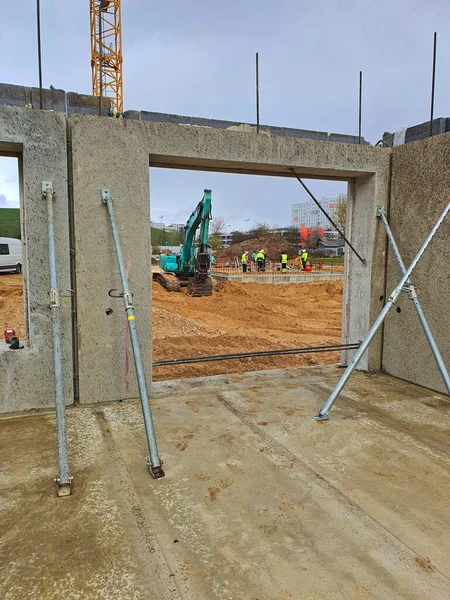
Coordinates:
<point>117,154</point>
<point>420,191</point>
<point>108,153</point>
<point>38,139</point>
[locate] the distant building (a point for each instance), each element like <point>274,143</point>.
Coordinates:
<point>306,214</point>
<point>225,240</point>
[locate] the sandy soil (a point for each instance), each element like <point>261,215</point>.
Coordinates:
<point>243,318</point>
<point>11,304</point>
<point>239,318</point>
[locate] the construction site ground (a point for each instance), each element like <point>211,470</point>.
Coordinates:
<point>259,501</point>
<point>245,317</point>
<point>240,318</point>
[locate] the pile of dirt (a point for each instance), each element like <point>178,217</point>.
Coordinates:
<point>273,245</point>
<point>165,324</point>
<point>11,304</point>
<point>245,317</point>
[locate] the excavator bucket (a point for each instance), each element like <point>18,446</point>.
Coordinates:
<point>199,286</point>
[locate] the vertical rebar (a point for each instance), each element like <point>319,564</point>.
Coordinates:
<point>323,412</point>
<point>38,8</point>
<point>63,482</point>
<point>433,80</point>
<point>257,92</point>
<point>154,464</point>
<point>360,107</point>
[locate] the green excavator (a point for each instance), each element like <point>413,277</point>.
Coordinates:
<point>192,266</point>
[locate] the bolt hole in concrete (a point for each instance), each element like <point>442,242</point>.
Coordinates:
<point>246,316</point>
<point>398,309</point>
<point>109,311</point>
<point>381,298</point>
<point>12,314</point>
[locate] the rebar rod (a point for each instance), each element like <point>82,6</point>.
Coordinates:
<point>257,92</point>
<point>330,219</point>
<point>38,10</point>
<point>323,412</point>
<point>258,353</point>
<point>434,348</point>
<point>154,465</point>
<point>63,482</point>
<point>360,107</point>
<point>433,81</point>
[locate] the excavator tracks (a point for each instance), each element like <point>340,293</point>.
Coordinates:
<point>168,281</point>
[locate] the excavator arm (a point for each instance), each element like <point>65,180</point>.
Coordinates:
<point>193,264</point>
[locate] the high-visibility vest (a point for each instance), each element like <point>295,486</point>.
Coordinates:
<point>284,258</point>
<point>260,255</point>
<point>244,258</point>
<point>304,255</point>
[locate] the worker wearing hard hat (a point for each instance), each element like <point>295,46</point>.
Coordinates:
<point>244,261</point>
<point>304,257</point>
<point>283,261</point>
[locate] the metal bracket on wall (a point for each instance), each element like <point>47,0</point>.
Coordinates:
<point>154,462</point>
<point>64,480</point>
<point>323,413</point>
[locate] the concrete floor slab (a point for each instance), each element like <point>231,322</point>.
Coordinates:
<point>259,501</point>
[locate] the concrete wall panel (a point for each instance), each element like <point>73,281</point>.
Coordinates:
<point>420,188</point>
<point>109,154</point>
<point>26,376</point>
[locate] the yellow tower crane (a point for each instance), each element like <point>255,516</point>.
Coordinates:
<point>106,51</point>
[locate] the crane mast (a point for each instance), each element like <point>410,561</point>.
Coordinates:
<point>106,51</point>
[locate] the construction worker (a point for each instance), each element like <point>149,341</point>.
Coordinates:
<point>260,260</point>
<point>304,257</point>
<point>283,261</point>
<point>244,261</point>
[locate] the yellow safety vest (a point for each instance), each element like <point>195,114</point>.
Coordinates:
<point>304,255</point>
<point>244,258</point>
<point>259,255</point>
<point>284,258</point>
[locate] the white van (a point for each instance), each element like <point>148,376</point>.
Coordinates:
<point>10,255</point>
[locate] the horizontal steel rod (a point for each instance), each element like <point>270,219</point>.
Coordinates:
<point>335,225</point>
<point>198,359</point>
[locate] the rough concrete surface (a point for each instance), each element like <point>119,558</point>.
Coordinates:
<point>38,138</point>
<point>107,156</point>
<point>259,501</point>
<point>420,191</point>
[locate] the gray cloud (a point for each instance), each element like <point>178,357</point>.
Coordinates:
<point>198,59</point>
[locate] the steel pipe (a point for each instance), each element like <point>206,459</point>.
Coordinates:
<point>154,464</point>
<point>434,348</point>
<point>323,412</point>
<point>217,357</point>
<point>64,481</point>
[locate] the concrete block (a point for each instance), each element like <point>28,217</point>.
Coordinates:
<point>17,95</point>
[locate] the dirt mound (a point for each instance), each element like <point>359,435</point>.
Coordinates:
<point>273,245</point>
<point>167,325</point>
<point>245,317</point>
<point>11,304</point>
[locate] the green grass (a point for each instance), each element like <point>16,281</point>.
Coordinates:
<point>160,238</point>
<point>10,222</point>
<point>328,260</point>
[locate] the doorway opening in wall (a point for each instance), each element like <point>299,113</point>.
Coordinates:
<point>257,310</point>
<point>12,315</point>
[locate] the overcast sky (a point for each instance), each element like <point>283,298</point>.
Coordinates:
<point>197,58</point>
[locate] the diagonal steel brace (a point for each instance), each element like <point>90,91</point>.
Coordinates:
<point>323,413</point>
